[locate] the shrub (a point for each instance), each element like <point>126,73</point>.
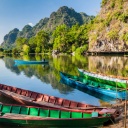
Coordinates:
<point>104,2</point>
<point>123,17</point>
<point>124,37</point>
<point>82,49</point>
<point>117,14</point>
<point>113,34</point>
<point>113,4</point>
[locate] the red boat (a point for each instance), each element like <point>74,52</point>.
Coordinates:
<point>27,97</point>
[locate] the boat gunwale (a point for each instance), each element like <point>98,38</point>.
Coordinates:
<point>101,76</point>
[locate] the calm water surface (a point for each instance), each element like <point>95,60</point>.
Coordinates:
<point>46,78</point>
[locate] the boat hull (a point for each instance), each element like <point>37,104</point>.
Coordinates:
<point>89,123</point>
<point>88,85</point>
<point>16,115</point>
<point>20,62</point>
<point>37,99</point>
<point>104,81</point>
<point>27,97</point>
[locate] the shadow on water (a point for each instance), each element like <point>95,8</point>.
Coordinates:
<point>92,93</point>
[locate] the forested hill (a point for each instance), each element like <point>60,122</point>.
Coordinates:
<point>109,31</point>
<point>63,15</point>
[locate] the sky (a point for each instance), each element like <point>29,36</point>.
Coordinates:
<point>18,13</point>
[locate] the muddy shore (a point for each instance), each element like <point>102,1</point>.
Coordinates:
<point>122,120</point>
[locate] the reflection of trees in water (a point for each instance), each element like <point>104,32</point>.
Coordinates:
<point>69,64</point>
<point>109,65</point>
<point>43,72</point>
<point>9,63</point>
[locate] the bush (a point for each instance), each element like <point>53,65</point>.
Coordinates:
<point>123,18</point>
<point>107,21</point>
<point>113,4</point>
<point>82,49</point>
<point>104,2</point>
<point>124,37</point>
<point>113,34</point>
<point>117,14</point>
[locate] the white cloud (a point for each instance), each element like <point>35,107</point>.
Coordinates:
<point>31,24</point>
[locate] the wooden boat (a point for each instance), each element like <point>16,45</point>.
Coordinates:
<point>19,62</point>
<point>37,99</point>
<point>116,82</point>
<point>95,86</point>
<point>16,115</point>
<point>102,97</point>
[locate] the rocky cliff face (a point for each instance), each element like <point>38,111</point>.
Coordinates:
<point>109,31</point>
<point>10,38</point>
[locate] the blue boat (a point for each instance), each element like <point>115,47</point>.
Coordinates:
<point>21,62</point>
<point>102,97</point>
<point>100,88</point>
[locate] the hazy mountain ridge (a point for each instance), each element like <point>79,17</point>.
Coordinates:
<point>63,15</point>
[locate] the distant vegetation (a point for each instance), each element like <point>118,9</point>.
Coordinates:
<point>65,31</point>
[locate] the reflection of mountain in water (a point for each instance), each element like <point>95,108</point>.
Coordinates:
<point>49,74</point>
<point>92,93</point>
<point>45,73</point>
<point>115,65</point>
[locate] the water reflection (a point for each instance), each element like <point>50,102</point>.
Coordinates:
<point>115,65</point>
<point>45,79</point>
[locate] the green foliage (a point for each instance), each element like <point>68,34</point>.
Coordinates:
<point>32,43</point>
<point>73,48</point>
<point>117,14</point>
<point>113,4</point>
<point>103,3</point>
<point>124,17</point>
<point>125,37</point>
<point>37,50</point>
<point>82,49</point>
<point>42,39</point>
<point>113,34</point>
<point>68,39</point>
<point>120,4</point>
<point>15,51</point>
<point>26,49</point>
<point>60,38</point>
<point>108,20</point>
<point>20,42</point>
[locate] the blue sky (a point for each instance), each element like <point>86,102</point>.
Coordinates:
<point>18,13</point>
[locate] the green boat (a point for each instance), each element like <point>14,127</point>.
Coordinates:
<point>116,82</point>
<point>95,87</point>
<point>15,115</point>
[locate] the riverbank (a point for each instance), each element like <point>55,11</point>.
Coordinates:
<point>122,120</point>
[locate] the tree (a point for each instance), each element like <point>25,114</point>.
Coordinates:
<point>26,49</point>
<point>42,39</point>
<point>20,42</point>
<point>60,38</point>
<point>32,43</point>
